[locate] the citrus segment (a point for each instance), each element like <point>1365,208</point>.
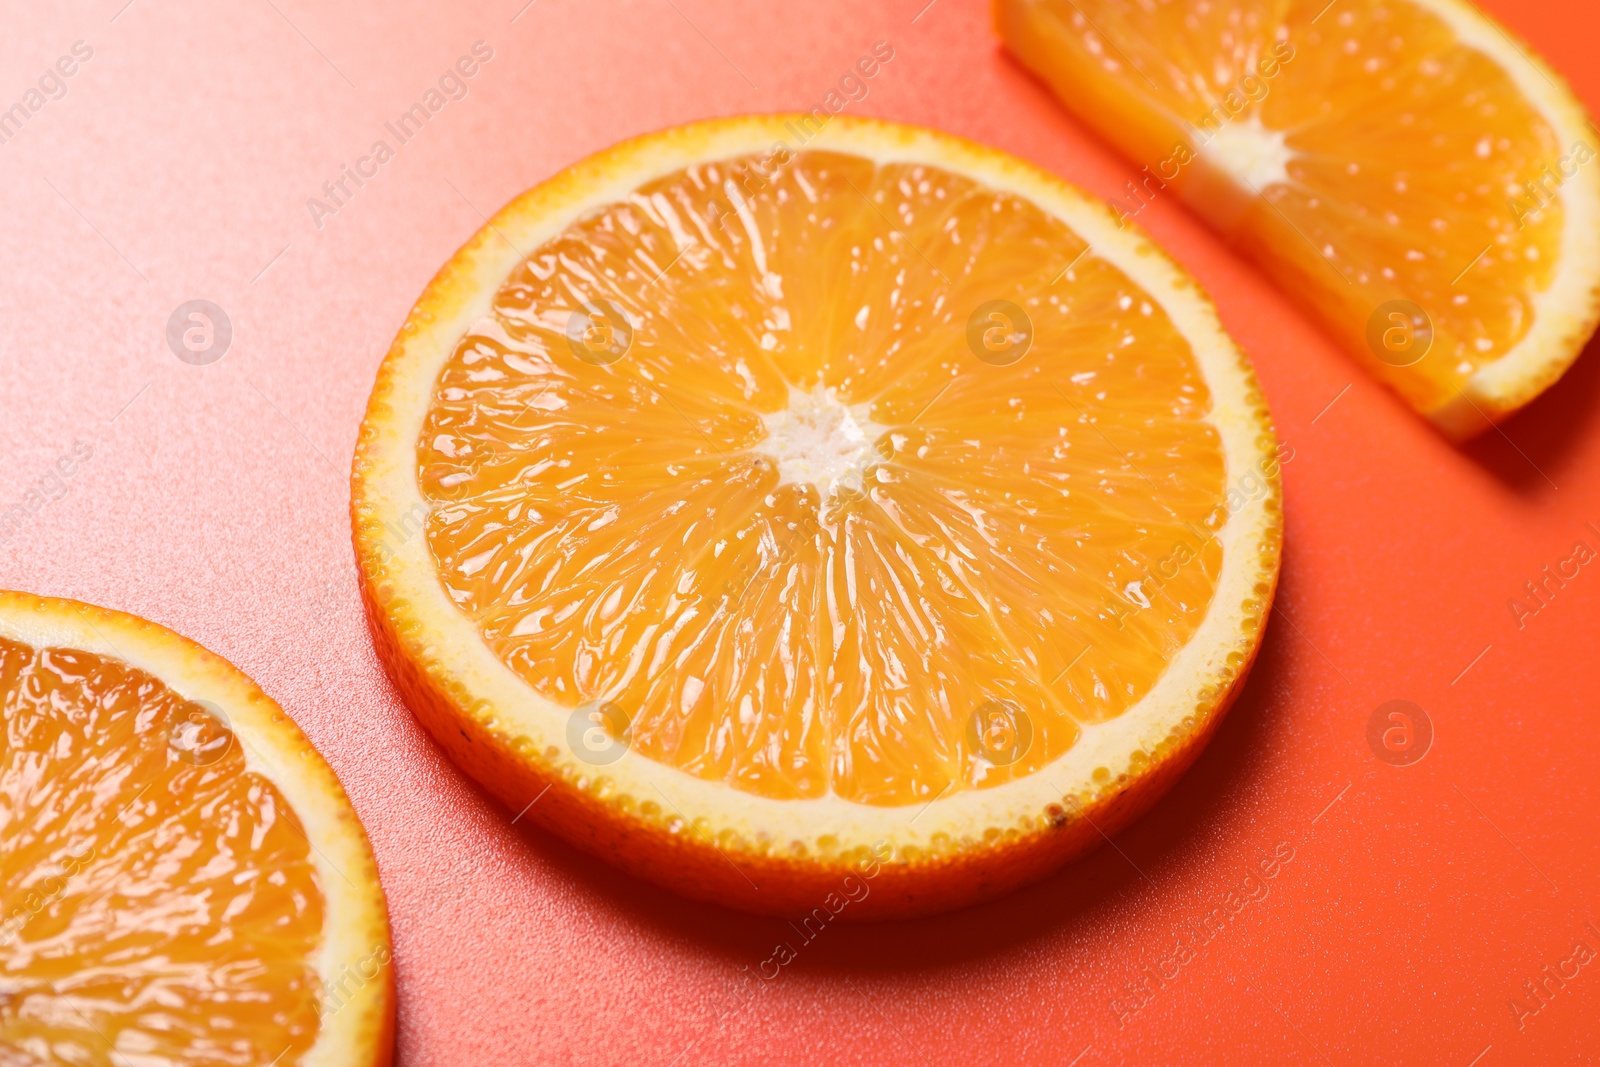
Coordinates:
<point>792,493</point>
<point>777,599</point>
<point>166,901</point>
<point>1401,168</point>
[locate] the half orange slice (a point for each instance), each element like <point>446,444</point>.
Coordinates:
<point>1403,168</point>
<point>768,502</point>
<point>183,879</point>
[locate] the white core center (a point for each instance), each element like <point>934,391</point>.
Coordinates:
<point>819,439</point>
<point>1249,153</point>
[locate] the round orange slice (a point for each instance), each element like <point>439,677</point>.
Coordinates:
<point>810,514</point>
<point>1408,172</point>
<point>183,880</point>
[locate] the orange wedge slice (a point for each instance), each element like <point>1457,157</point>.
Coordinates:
<point>184,881</point>
<point>1419,182</point>
<point>780,507</point>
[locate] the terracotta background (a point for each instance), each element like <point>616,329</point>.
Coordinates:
<point>1418,899</point>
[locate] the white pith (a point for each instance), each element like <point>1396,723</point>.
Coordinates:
<point>820,440</point>
<point>457,657</point>
<point>1249,153</point>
